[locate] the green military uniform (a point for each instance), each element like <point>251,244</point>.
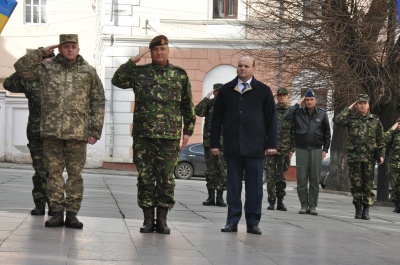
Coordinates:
<point>365,134</point>
<point>162,97</point>
<point>16,84</point>
<point>216,168</point>
<point>216,175</point>
<point>73,103</point>
<point>393,145</point>
<point>276,165</point>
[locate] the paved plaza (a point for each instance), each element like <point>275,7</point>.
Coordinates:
<point>112,219</point>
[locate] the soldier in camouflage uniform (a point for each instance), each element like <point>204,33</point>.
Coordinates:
<point>162,97</point>
<point>72,115</point>
<point>216,167</point>
<point>365,136</point>
<point>392,137</point>
<point>16,84</point>
<point>277,165</point>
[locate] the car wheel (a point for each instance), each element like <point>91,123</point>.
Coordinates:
<point>184,171</point>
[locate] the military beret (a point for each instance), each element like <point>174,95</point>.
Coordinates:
<point>281,91</point>
<point>68,38</point>
<point>217,86</point>
<point>309,94</point>
<point>362,97</point>
<point>158,41</point>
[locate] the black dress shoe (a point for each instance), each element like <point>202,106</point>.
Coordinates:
<point>229,228</point>
<point>253,229</point>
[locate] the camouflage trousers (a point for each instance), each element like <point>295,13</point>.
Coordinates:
<point>155,161</point>
<point>39,179</point>
<point>362,181</point>
<point>216,171</point>
<point>275,168</point>
<point>394,178</point>
<point>69,154</point>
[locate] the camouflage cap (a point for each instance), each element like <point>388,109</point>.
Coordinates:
<point>158,41</point>
<point>309,94</point>
<point>281,91</point>
<point>68,38</point>
<point>217,86</point>
<point>362,97</point>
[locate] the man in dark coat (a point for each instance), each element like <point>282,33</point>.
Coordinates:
<point>245,112</point>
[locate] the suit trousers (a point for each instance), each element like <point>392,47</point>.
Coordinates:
<point>308,171</point>
<point>252,170</point>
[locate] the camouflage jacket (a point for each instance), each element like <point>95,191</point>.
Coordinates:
<point>16,84</point>
<point>364,134</point>
<point>285,131</point>
<point>205,109</point>
<point>392,138</point>
<point>72,96</point>
<point>163,96</point>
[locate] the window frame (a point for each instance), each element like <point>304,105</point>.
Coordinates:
<point>41,7</point>
<point>226,8</point>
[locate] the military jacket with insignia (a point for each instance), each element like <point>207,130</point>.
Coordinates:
<point>16,84</point>
<point>285,131</point>
<point>72,96</point>
<point>393,147</point>
<point>162,97</point>
<point>364,134</point>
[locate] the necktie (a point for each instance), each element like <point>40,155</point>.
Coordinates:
<point>245,85</point>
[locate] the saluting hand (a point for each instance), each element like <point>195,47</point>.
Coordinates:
<point>395,126</point>
<point>50,49</point>
<point>351,107</point>
<point>300,101</point>
<point>137,58</point>
<point>209,94</point>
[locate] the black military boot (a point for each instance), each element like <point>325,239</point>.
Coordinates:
<point>161,222</point>
<point>148,223</point>
<point>211,198</point>
<point>72,222</point>
<point>49,211</point>
<point>280,206</point>
<point>396,207</point>
<point>56,221</point>
<point>220,199</point>
<point>271,206</point>
<point>365,213</point>
<point>39,209</point>
<point>358,214</point>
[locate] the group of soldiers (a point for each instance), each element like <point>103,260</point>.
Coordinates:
<point>56,142</point>
<point>366,146</point>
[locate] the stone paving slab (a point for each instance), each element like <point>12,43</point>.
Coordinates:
<point>112,219</point>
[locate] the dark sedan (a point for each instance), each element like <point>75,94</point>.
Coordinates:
<point>191,162</point>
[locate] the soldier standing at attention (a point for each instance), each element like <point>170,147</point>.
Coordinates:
<point>277,165</point>
<point>216,167</point>
<point>72,115</point>
<point>163,96</point>
<point>392,137</point>
<point>365,136</point>
<point>312,136</point>
<point>31,89</point>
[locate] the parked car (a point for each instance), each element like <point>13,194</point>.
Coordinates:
<point>192,162</point>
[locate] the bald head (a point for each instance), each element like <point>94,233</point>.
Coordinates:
<point>246,68</point>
